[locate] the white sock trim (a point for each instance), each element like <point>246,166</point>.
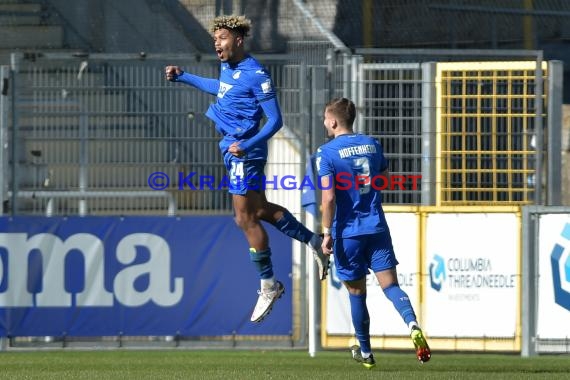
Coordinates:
<point>267,283</point>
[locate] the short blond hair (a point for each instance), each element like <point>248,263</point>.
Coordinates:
<point>238,24</point>
<point>344,109</point>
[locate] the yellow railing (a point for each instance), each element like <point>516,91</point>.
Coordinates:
<point>485,118</point>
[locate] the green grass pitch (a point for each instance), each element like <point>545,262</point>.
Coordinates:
<point>250,364</point>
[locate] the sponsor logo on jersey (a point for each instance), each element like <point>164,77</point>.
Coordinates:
<point>266,86</point>
<point>224,87</point>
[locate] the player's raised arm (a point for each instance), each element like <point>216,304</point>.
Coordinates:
<point>176,74</point>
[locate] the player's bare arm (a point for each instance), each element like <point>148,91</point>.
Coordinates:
<point>328,207</point>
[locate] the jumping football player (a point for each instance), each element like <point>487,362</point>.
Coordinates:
<point>244,92</point>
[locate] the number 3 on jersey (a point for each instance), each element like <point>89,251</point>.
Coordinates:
<point>361,167</point>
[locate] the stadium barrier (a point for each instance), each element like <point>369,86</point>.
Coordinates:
<point>546,280</point>
<point>479,278</point>
<point>474,130</point>
<point>69,278</point>
<point>103,123</point>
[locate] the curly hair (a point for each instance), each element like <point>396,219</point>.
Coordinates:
<point>238,24</point>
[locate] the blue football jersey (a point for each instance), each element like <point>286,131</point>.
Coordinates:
<point>237,111</point>
<point>350,159</point>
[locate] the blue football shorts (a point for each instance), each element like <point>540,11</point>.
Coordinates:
<point>244,174</point>
<point>355,255</point>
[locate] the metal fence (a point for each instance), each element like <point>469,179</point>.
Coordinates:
<point>488,137</point>
<point>389,97</point>
<point>91,130</point>
<point>475,124</point>
<point>84,134</point>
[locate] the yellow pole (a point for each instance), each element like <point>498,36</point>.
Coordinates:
<point>367,22</point>
<point>528,26</point>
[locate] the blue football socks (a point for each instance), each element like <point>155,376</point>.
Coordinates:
<point>262,262</point>
<point>291,227</point>
<point>360,320</point>
<point>401,302</point>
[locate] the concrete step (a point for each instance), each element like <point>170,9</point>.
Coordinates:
<point>67,100</point>
<point>114,206</point>
<point>19,19</point>
<point>118,126</point>
<point>115,175</point>
<point>141,203</point>
<point>19,7</point>
<point>122,178</point>
<point>100,176</point>
<point>31,36</point>
<point>5,53</point>
<point>126,150</point>
<point>20,14</point>
<point>5,56</point>
<point>63,78</point>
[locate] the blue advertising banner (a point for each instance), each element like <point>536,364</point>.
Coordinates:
<point>106,276</point>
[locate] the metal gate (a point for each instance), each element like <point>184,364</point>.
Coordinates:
<point>477,132</point>
<point>92,132</point>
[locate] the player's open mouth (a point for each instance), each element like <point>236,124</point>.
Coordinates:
<point>220,53</point>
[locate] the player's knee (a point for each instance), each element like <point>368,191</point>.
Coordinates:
<point>356,291</point>
<point>267,214</point>
<point>356,288</point>
<point>239,220</point>
<point>244,220</point>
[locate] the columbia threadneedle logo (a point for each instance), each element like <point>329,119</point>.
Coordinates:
<point>560,262</point>
<point>437,273</point>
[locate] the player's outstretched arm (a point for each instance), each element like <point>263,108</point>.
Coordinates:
<point>176,74</point>
<point>172,72</point>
